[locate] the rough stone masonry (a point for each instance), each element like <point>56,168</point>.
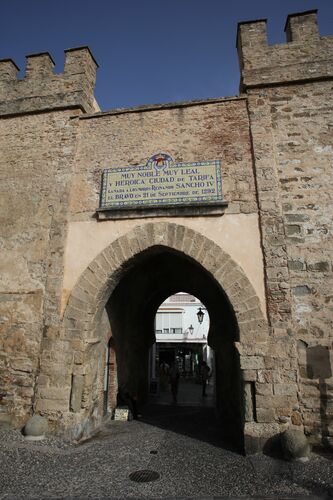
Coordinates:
<point>269,249</point>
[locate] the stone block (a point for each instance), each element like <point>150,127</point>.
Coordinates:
<point>301,290</point>
<point>96,268</point>
<point>248,402</point>
<point>51,405</point>
<point>36,428</point>
<point>133,245</point>
<point>76,393</point>
<point>126,251</point>
<point>22,365</point>
<point>251,362</point>
<point>256,435</point>
<point>265,415</point>
<point>295,445</point>
<point>57,393</point>
<point>285,389</point>
<point>321,267</point>
<point>78,357</point>
<point>249,375</point>
<point>274,401</point>
<point>293,229</point>
<point>296,265</point>
<point>296,418</point>
<point>5,418</point>
<point>264,389</point>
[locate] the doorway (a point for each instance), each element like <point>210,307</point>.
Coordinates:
<point>128,281</point>
<point>156,274</point>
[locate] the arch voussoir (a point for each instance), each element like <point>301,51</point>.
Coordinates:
<point>171,234</point>
<point>92,275</point>
<point>144,235</point>
<point>85,284</point>
<point>77,303</point>
<point>96,268</point>
<point>84,295</point>
<point>205,248</point>
<point>109,256</point>
<point>189,236</point>
<point>212,259</point>
<point>233,276</point>
<point>179,237</point>
<point>161,234</point>
<point>127,250</point>
<point>196,245</point>
<point>133,243</point>
<point>103,263</point>
<point>118,253</point>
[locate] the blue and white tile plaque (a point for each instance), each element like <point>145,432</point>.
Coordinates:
<point>162,183</point>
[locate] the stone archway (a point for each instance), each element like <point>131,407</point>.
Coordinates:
<point>81,336</point>
<point>92,290</point>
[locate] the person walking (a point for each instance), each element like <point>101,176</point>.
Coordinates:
<point>164,376</point>
<point>205,373</point>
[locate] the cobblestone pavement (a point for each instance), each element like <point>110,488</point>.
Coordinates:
<point>180,443</point>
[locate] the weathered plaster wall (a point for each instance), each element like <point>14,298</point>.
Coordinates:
<point>237,234</point>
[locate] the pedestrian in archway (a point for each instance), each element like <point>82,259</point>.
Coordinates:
<point>205,373</point>
<point>164,376</point>
<point>174,381</point>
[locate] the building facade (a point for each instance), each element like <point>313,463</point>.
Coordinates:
<point>181,336</point>
<point>73,275</point>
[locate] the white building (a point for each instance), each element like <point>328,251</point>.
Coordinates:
<point>180,336</point>
<point>177,321</point>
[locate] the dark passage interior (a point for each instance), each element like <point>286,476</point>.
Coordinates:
<point>147,281</point>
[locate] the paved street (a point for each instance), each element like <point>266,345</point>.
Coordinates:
<point>179,442</point>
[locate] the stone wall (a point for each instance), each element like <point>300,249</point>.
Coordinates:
<point>271,250</point>
<point>291,126</point>
<point>42,89</point>
<point>189,132</point>
<point>306,56</point>
<point>37,145</point>
<point>36,156</point>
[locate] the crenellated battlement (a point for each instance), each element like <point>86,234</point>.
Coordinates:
<point>305,56</point>
<point>42,89</point>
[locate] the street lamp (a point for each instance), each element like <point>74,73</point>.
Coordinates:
<point>191,329</point>
<point>200,315</point>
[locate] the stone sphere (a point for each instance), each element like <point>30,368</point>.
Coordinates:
<point>35,428</point>
<point>295,445</point>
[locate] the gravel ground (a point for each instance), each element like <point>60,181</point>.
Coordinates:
<point>190,465</point>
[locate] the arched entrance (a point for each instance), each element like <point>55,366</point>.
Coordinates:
<point>156,273</point>
<point>130,279</point>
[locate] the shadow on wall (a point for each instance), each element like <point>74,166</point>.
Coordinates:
<point>319,367</point>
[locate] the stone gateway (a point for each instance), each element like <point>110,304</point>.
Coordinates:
<point>234,207</point>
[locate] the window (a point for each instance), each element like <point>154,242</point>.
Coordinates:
<point>169,321</point>
<point>177,330</point>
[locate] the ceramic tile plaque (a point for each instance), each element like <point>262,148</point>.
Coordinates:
<point>121,414</point>
<point>162,183</point>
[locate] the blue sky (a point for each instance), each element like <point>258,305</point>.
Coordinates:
<point>149,51</point>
